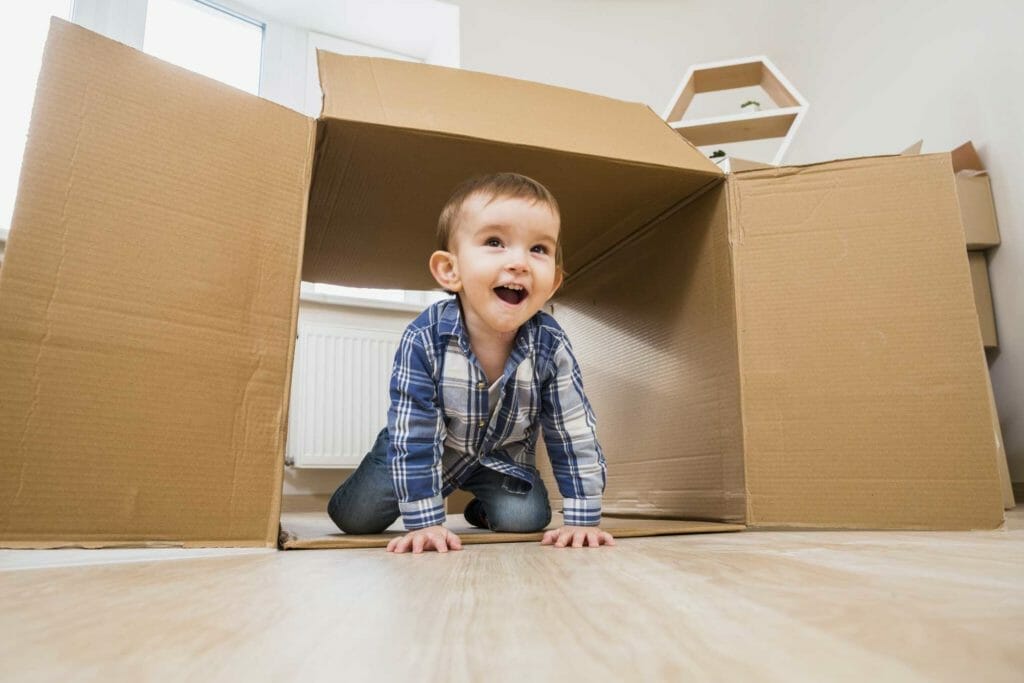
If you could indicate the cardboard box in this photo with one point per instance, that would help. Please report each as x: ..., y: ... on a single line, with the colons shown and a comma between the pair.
x: 745, y: 344
x: 974, y: 191
x: 974, y: 194
x: 983, y: 298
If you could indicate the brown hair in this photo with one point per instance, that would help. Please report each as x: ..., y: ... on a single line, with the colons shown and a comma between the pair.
x: 493, y: 186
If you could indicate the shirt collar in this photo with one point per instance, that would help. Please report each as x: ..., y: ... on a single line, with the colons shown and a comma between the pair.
x: 450, y: 325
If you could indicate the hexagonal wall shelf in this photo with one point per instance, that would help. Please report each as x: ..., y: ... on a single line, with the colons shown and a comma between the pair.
x: 781, y: 122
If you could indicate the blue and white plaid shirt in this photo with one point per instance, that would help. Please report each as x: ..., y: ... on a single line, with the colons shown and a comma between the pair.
x: 441, y: 427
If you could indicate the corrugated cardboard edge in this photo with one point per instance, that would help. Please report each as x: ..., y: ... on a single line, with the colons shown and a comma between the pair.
x: 274, y: 521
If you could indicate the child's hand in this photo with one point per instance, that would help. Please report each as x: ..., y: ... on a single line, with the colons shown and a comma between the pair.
x: 578, y: 536
x: 430, y: 538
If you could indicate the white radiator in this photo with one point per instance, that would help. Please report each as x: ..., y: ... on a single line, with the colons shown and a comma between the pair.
x: 339, y: 396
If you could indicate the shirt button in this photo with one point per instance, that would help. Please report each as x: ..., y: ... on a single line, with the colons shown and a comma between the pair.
x: 480, y: 424
x: 479, y: 385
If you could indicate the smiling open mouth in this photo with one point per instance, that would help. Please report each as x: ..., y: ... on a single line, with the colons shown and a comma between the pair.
x: 510, y: 295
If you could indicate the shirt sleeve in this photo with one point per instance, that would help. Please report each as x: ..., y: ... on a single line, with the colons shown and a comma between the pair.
x: 570, y: 435
x: 416, y: 429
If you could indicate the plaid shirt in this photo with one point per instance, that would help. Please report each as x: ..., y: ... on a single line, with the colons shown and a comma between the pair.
x: 441, y: 427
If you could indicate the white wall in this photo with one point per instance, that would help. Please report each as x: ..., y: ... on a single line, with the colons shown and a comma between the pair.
x: 878, y: 75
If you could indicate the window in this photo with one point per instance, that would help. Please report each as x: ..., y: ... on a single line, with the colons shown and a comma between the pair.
x: 207, y: 39
x: 23, y: 27
x: 318, y: 291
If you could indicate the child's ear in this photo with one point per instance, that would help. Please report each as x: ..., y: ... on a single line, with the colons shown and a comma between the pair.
x: 559, y: 276
x: 444, y: 266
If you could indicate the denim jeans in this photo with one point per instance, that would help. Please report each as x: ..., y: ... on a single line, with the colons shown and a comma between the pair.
x: 366, y: 502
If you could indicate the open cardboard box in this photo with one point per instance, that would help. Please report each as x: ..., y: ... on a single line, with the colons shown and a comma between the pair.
x: 746, y: 345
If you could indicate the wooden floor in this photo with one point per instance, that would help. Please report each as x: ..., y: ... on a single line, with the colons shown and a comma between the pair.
x: 751, y: 606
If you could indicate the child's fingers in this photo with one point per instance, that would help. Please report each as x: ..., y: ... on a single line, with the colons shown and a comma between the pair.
x: 417, y: 543
x: 577, y: 537
x: 439, y: 542
x: 454, y: 542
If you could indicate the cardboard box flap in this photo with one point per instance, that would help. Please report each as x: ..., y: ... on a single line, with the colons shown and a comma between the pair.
x: 862, y: 372
x: 477, y: 105
x: 147, y: 305
x: 965, y: 158
x: 395, y: 139
x: 914, y: 149
x: 738, y: 165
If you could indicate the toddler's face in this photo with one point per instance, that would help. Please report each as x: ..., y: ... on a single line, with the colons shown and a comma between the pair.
x: 504, y: 254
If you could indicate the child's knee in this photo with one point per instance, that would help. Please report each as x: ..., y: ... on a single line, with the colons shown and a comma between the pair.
x: 355, y: 519
x: 519, y: 517
x: 358, y: 526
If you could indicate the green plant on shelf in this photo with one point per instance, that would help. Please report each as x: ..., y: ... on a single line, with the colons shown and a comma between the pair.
x: 753, y: 105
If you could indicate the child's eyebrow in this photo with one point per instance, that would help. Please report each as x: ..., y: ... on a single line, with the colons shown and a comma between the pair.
x: 491, y: 226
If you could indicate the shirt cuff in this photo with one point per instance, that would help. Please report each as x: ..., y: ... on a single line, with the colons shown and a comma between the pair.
x: 582, y: 511
x: 418, y: 514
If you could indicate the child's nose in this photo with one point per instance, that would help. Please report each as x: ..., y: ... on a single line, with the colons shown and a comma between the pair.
x: 517, y: 260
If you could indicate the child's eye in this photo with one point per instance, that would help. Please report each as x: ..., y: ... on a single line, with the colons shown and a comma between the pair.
x: 539, y: 249
x: 492, y: 242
